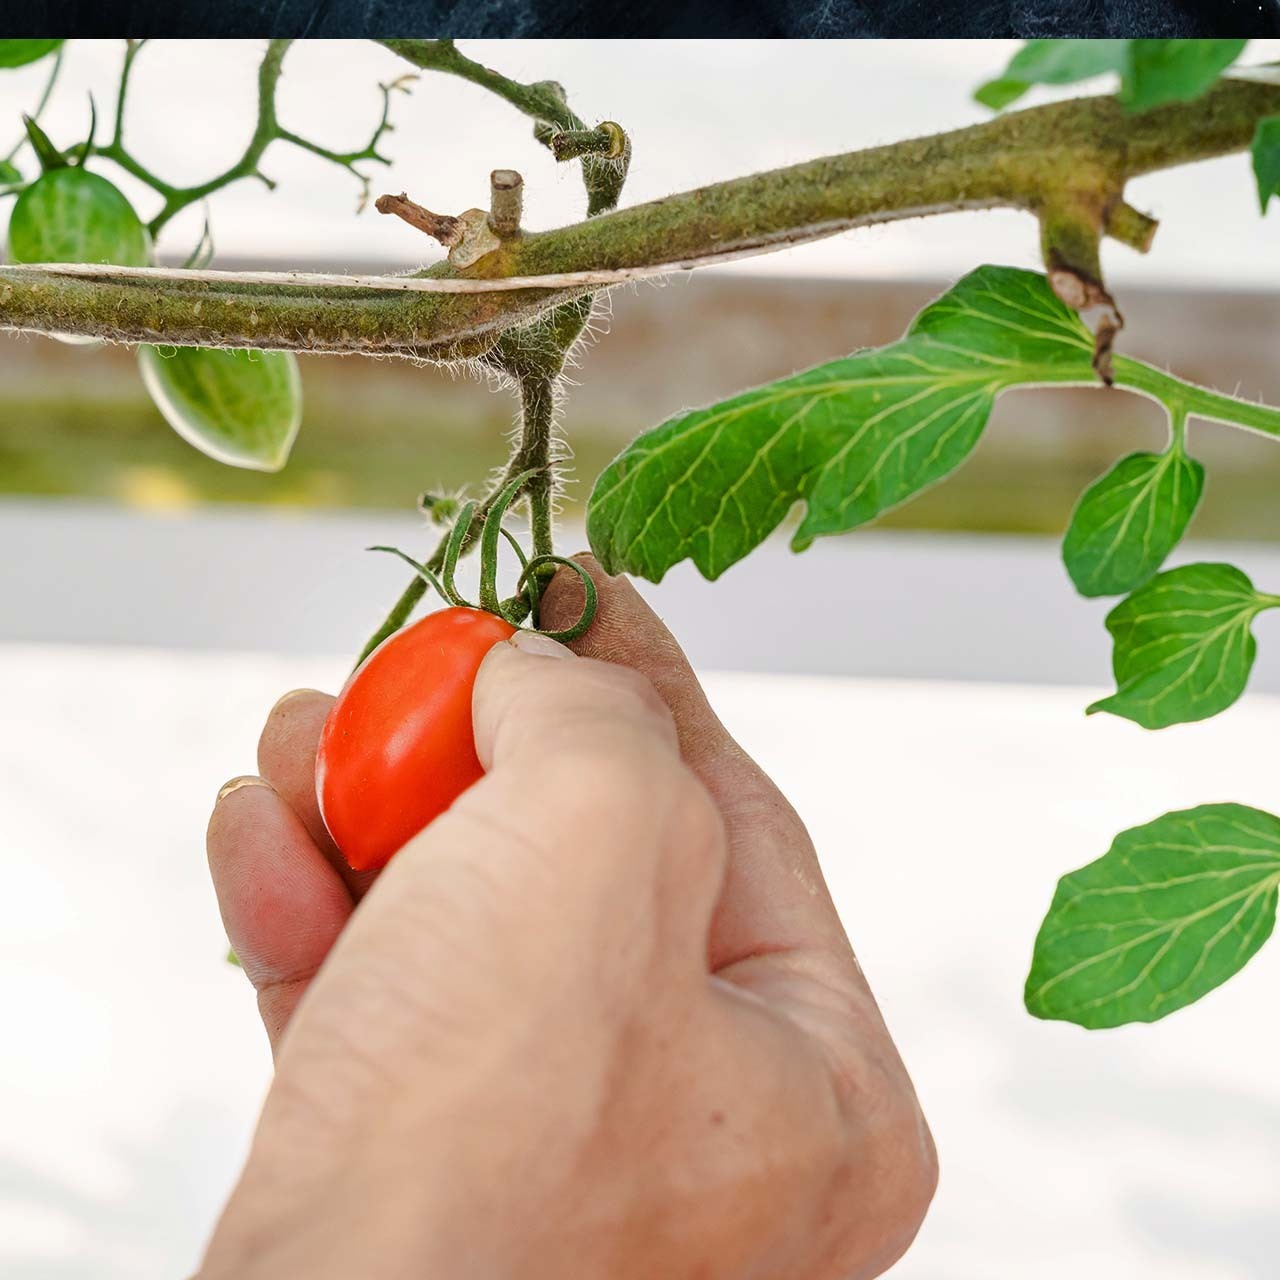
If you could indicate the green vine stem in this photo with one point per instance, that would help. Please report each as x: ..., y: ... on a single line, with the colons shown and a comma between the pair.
x: 1184, y: 398
x: 537, y: 402
x: 267, y: 130
x: 1018, y: 160
x: 545, y: 102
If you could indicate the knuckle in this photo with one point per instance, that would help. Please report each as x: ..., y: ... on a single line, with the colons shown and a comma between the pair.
x: 699, y: 827
x: 634, y: 693
x: 283, y: 715
x: 888, y: 1164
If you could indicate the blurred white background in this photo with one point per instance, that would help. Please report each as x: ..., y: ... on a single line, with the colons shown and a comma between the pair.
x: 140, y: 653
x: 698, y: 112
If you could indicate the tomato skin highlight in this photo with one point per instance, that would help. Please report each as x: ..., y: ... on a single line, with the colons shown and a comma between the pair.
x: 397, y: 748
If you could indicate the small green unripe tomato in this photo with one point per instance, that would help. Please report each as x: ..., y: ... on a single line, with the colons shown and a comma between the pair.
x: 71, y: 215
x: 242, y: 408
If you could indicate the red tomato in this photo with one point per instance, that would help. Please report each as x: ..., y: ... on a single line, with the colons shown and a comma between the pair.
x: 397, y: 747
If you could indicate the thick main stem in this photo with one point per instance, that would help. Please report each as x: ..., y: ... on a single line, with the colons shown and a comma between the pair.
x: 1020, y: 160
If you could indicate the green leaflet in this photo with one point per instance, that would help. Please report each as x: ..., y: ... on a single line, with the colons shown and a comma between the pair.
x: 1172, y: 910
x: 851, y: 439
x: 18, y: 53
x: 1128, y: 521
x: 1052, y: 62
x: 1163, y: 71
x: 1266, y: 159
x: 241, y: 408
x: 1151, y: 72
x: 1183, y: 645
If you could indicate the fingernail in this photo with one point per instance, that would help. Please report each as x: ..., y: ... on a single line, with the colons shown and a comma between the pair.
x: 540, y: 646
x: 247, y: 780
x: 289, y: 697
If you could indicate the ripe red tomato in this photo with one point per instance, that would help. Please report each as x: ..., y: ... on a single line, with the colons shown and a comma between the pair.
x: 397, y: 748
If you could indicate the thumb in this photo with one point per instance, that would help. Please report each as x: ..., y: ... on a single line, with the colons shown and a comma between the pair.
x: 774, y: 897
x: 587, y: 838
x: 583, y: 764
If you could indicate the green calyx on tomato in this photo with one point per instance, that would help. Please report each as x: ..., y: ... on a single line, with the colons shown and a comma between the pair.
x: 72, y: 215
x: 242, y: 408
x: 49, y: 156
x: 397, y: 747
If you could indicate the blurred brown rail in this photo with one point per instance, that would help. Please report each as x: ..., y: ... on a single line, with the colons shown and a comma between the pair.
x: 77, y: 422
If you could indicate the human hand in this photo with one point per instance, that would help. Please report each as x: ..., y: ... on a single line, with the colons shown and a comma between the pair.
x: 599, y: 1019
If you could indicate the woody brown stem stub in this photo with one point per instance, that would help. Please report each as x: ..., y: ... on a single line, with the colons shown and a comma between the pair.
x: 439, y: 226
x: 506, y: 201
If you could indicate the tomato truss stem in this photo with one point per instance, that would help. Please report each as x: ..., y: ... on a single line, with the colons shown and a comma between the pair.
x: 527, y: 598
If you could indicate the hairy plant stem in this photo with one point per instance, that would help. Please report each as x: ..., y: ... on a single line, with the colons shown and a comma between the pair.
x: 1023, y: 160
x: 537, y: 414
x: 532, y: 451
x: 532, y: 356
x: 544, y: 102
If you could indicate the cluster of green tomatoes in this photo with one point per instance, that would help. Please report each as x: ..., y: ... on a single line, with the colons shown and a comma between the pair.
x: 242, y: 408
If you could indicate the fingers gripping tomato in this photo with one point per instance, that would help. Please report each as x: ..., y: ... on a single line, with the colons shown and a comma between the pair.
x: 397, y: 748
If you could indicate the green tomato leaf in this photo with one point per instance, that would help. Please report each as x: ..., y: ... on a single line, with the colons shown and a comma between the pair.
x: 1266, y: 159
x: 10, y: 174
x: 1183, y: 647
x: 1171, y: 911
x: 1128, y: 521
x: 1053, y: 62
x: 18, y: 53
x: 850, y: 439
x: 1163, y: 71
x: 1151, y: 72
x: 242, y: 408
x: 1000, y: 93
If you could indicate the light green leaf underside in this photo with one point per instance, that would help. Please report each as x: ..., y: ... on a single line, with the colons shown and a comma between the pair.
x: 1128, y: 521
x: 1183, y: 647
x: 850, y: 439
x: 1163, y: 71
x: 241, y: 408
x: 1171, y: 911
x: 1151, y: 72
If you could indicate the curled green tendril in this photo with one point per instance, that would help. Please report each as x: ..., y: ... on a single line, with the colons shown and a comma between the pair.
x: 453, y: 549
x: 515, y: 609
x: 420, y: 569
x: 591, y: 598
x: 527, y: 600
x: 489, y: 541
